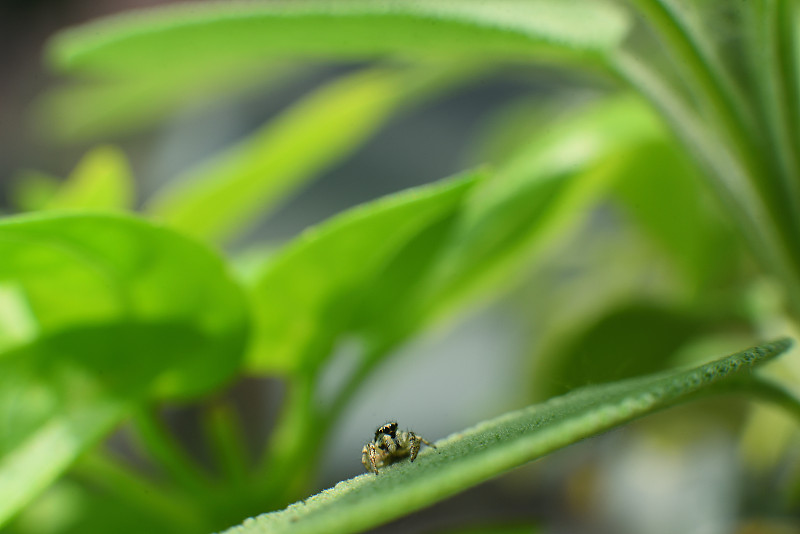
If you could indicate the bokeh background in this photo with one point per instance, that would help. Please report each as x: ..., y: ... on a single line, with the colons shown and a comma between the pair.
x: 683, y: 471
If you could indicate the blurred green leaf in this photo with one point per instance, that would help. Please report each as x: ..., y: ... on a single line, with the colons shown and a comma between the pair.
x: 101, y: 181
x: 664, y: 194
x: 77, y: 270
x: 220, y: 196
x: 609, y: 349
x: 502, y: 222
x: 68, y: 507
x: 114, y: 317
x: 31, y: 189
x: 307, y: 294
x: 535, y: 196
x: 155, y: 41
x: 94, y: 108
x: 62, y: 393
x: 493, y: 447
x: 473, y: 241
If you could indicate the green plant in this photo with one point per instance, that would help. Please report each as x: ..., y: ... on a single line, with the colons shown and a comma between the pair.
x: 105, y: 316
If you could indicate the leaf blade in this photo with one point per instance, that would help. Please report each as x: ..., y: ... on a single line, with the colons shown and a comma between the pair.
x: 495, y: 446
x: 152, y: 40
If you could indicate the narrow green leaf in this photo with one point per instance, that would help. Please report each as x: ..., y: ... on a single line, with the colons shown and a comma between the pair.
x: 220, y: 196
x: 95, y: 109
x: 762, y: 227
x: 543, y: 188
x: 309, y: 291
x: 47, y: 452
x: 157, y: 40
x: 493, y: 447
x: 101, y: 181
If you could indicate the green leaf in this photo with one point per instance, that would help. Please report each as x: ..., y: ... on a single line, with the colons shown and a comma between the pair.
x: 308, y: 293
x: 62, y: 393
x: 493, y: 447
x: 609, y: 349
x: 32, y: 189
x: 101, y: 181
x: 154, y: 41
x: 659, y: 182
x: 537, y: 194
x: 99, y: 108
x: 104, y: 315
x: 220, y: 196
x: 503, y: 221
x: 77, y: 270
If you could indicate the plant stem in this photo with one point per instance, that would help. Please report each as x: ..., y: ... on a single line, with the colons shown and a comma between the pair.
x: 769, y: 43
x: 224, y: 434
x: 703, y: 71
x: 100, y: 469
x: 161, y: 446
x: 287, y: 460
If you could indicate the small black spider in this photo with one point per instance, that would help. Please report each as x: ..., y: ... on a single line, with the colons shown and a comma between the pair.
x: 390, y: 445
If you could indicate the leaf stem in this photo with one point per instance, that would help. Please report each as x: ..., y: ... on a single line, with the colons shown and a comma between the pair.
x: 99, y: 468
x: 774, y: 393
x: 223, y: 430
x: 163, y: 448
x: 770, y: 44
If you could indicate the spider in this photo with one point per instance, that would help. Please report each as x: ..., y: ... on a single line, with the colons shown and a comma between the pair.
x: 390, y: 445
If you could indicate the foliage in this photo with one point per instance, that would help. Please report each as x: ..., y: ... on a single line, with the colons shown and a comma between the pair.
x: 105, y: 315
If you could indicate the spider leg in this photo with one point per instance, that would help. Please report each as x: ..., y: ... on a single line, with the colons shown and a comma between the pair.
x: 373, y: 457
x: 365, y: 458
x: 416, y: 443
x: 426, y: 442
x: 389, y: 443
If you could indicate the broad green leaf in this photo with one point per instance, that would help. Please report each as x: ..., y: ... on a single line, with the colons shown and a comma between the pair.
x: 111, y: 317
x: 154, y: 41
x: 74, y: 270
x: 220, y: 196
x: 60, y: 394
x: 101, y: 181
x: 305, y: 298
x: 493, y: 447
x: 503, y: 221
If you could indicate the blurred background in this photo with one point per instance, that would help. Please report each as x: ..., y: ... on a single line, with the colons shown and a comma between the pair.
x: 603, y: 280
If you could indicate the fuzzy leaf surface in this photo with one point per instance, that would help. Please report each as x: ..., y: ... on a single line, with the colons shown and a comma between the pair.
x: 493, y: 447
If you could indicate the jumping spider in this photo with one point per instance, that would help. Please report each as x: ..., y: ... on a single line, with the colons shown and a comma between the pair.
x: 390, y: 445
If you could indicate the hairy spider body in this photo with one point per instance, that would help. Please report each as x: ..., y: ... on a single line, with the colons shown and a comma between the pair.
x: 390, y: 445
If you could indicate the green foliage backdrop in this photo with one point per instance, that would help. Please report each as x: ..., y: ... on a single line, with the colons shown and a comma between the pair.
x: 692, y: 134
